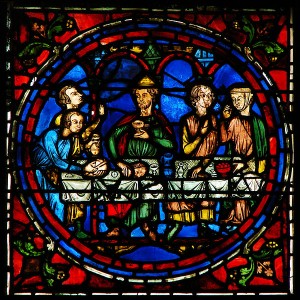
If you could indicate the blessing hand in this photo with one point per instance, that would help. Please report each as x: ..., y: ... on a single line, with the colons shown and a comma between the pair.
x: 142, y: 134
x: 227, y: 111
x: 101, y: 110
x: 193, y: 125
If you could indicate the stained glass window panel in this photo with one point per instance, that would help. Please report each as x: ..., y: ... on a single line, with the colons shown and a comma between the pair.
x: 150, y: 150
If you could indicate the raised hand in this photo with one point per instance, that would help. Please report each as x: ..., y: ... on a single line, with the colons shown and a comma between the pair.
x: 227, y: 111
x: 101, y: 110
x: 193, y: 125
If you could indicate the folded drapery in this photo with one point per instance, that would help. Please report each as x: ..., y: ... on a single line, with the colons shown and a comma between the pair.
x: 79, y: 189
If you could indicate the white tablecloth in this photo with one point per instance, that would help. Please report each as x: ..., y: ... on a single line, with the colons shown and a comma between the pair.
x: 79, y: 189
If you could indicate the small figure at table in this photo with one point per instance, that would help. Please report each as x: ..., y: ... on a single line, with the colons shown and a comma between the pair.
x: 245, y: 136
x: 145, y: 133
x: 200, y: 139
x: 140, y: 190
x: 52, y: 154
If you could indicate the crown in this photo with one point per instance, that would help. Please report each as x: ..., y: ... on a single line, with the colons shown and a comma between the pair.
x: 146, y: 81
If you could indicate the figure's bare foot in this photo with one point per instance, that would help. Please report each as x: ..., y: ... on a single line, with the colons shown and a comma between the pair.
x: 231, y: 221
x: 151, y: 234
x: 235, y: 222
x: 114, y: 232
x: 225, y: 221
x: 123, y: 248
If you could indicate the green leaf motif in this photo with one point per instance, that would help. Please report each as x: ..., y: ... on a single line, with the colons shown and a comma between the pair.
x: 267, y: 253
x: 263, y: 254
x: 27, y: 248
x: 60, y: 25
x: 48, y: 270
x: 33, y: 49
x: 277, y: 252
x: 269, y: 47
x: 50, y: 282
x: 56, y: 30
x: 246, y: 273
x: 55, y: 26
x: 249, y: 28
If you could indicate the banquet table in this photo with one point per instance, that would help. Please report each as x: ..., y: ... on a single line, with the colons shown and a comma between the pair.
x: 115, y: 188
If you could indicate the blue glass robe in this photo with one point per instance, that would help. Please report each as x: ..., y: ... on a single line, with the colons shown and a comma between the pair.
x: 52, y: 150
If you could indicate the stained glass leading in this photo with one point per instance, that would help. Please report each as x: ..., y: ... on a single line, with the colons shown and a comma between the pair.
x: 150, y: 150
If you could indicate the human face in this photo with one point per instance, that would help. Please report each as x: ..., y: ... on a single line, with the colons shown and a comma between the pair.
x: 76, y: 123
x: 238, y: 100
x: 75, y: 97
x: 143, y: 97
x: 205, y: 97
x: 139, y: 170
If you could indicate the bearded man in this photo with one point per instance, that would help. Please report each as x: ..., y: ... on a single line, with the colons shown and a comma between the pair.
x: 145, y: 133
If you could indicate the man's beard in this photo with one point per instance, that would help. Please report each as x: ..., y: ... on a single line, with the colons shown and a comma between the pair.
x: 144, y: 106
